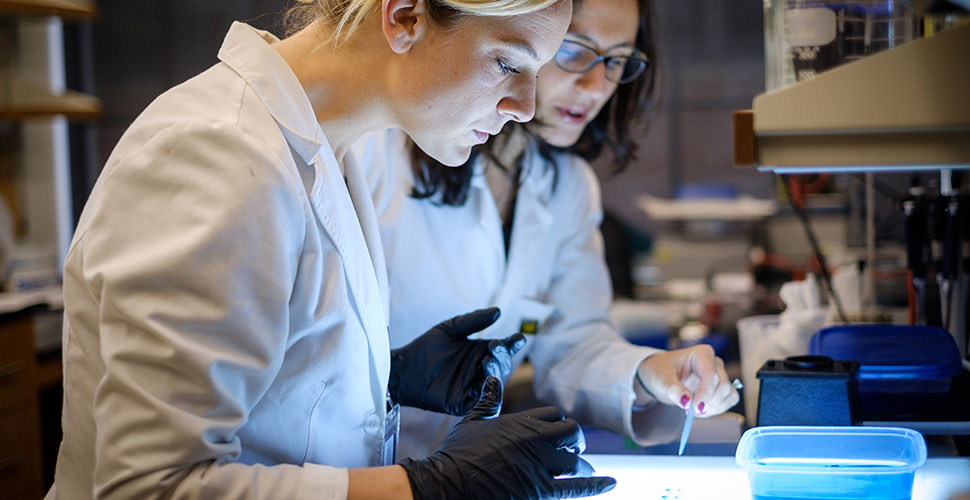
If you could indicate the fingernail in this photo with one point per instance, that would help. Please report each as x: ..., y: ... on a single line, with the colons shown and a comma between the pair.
x: 700, y: 407
x: 684, y: 400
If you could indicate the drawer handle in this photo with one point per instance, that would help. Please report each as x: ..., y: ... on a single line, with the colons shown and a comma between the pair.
x: 11, y: 369
x: 12, y: 461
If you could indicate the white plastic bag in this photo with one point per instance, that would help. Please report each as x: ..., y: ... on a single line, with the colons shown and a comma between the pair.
x: 778, y: 336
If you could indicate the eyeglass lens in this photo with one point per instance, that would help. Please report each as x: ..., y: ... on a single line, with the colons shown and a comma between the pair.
x: 578, y: 58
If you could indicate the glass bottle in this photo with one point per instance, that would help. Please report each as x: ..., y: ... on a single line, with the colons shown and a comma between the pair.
x: 806, y: 37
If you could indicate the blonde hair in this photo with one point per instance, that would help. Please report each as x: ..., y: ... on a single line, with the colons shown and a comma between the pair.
x: 346, y: 15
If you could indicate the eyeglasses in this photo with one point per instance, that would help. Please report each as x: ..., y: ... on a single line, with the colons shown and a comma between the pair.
x: 576, y: 57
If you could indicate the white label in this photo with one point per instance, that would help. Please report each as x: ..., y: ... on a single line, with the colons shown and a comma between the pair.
x: 809, y: 27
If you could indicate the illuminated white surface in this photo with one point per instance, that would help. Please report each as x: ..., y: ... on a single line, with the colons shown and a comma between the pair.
x: 644, y: 477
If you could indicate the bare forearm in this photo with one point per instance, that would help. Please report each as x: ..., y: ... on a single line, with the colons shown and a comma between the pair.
x: 379, y: 483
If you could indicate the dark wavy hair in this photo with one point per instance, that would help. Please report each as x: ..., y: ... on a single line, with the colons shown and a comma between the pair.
x: 611, y: 128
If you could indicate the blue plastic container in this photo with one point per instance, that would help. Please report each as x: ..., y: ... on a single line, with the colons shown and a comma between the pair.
x: 899, y: 366
x: 832, y: 463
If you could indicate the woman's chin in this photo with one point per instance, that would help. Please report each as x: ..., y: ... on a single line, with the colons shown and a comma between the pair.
x: 560, y: 138
x: 453, y: 158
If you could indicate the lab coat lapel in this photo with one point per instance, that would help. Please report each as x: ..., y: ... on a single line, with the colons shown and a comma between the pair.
x: 360, y: 196
x: 489, y: 220
x: 352, y: 229
x: 533, y: 221
x: 363, y: 263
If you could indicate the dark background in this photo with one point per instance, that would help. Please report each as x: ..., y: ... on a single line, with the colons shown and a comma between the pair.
x: 711, y: 55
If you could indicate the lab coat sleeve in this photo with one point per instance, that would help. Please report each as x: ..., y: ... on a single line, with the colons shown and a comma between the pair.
x: 192, y: 248
x: 581, y: 362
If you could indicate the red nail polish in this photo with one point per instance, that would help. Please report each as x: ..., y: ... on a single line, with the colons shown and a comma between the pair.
x: 684, y: 400
x: 700, y: 407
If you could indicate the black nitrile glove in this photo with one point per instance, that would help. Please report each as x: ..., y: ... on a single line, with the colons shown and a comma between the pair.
x: 514, y: 456
x: 443, y: 371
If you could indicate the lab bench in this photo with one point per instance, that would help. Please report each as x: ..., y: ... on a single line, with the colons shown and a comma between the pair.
x: 25, y: 377
x: 644, y: 477
x: 20, y: 448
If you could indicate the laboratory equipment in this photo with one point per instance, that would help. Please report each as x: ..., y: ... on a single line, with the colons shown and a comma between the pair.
x: 832, y: 463
x: 917, y: 241
x: 901, y: 367
x: 806, y: 37
x: 906, y: 108
x: 807, y: 390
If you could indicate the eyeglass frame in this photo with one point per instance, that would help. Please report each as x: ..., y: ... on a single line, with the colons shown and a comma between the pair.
x: 601, y: 57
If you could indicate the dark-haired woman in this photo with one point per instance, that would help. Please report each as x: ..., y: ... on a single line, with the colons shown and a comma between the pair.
x: 517, y: 227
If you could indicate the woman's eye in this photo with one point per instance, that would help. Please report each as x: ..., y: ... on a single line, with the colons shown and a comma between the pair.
x: 616, y: 62
x: 505, y: 68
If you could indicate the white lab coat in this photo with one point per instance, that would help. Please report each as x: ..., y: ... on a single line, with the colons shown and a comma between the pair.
x: 444, y: 260
x: 225, y: 330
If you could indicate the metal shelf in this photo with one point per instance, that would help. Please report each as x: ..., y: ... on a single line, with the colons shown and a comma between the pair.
x: 903, y: 109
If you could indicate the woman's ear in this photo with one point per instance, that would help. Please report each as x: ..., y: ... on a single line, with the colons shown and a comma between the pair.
x: 403, y: 22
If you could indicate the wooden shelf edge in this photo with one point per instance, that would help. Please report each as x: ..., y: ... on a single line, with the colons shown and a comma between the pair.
x: 81, y: 10
x: 72, y: 105
x: 744, y: 145
x: 25, y: 114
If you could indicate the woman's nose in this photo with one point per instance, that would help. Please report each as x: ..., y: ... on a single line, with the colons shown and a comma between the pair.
x: 593, y: 81
x: 520, y: 106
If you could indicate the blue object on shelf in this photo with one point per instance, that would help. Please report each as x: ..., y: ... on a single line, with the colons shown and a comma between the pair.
x: 832, y: 463
x: 705, y: 191
x: 899, y: 366
x: 718, y: 341
x: 649, y: 337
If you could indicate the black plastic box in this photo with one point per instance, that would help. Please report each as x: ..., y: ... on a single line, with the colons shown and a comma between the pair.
x: 808, y: 390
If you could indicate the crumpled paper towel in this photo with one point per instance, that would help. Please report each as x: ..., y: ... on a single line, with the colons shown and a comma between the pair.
x: 778, y: 336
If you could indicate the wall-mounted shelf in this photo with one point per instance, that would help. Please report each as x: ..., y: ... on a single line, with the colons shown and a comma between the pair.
x: 83, y: 10
x: 31, y: 102
x: 903, y: 109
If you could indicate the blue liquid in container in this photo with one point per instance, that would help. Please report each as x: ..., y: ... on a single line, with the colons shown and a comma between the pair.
x: 762, y: 497
x: 831, y: 463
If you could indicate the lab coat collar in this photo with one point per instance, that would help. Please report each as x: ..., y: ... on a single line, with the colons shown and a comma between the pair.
x: 248, y: 52
x: 538, y: 180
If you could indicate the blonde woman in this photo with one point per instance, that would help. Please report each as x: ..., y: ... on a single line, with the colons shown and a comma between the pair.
x: 225, y: 303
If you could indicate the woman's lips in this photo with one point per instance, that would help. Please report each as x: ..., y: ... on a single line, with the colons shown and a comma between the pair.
x: 574, y: 115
